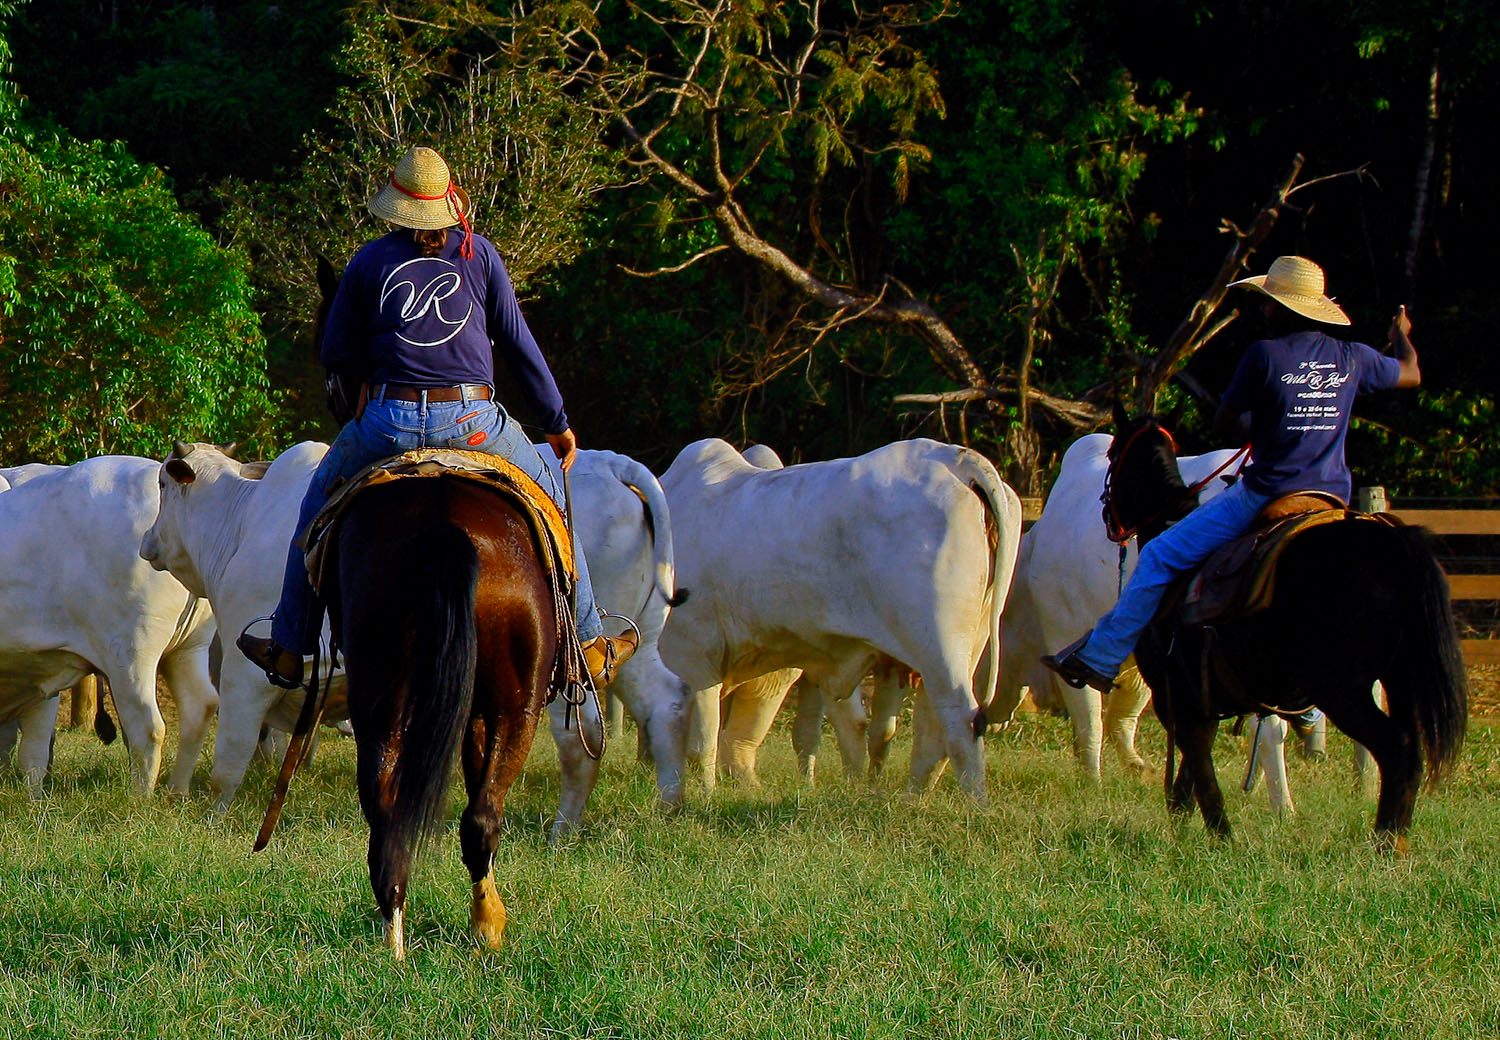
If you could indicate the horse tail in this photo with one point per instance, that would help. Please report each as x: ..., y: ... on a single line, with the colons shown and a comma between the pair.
x: 1005, y: 508
x: 439, y: 688
x: 1434, y: 684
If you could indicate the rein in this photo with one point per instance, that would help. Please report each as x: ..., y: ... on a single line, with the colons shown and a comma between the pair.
x: 1115, y: 527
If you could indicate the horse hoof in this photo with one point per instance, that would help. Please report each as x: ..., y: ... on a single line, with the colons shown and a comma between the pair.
x: 487, y: 916
x: 1392, y: 844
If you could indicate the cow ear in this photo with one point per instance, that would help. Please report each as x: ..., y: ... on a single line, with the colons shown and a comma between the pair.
x: 180, y: 471
x: 181, y: 449
x: 230, y: 448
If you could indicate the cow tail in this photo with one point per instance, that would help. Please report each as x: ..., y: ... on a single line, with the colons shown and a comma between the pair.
x: 1005, y: 508
x: 640, y: 480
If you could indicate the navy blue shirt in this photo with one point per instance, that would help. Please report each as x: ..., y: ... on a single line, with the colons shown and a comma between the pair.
x: 400, y: 317
x: 1299, y: 391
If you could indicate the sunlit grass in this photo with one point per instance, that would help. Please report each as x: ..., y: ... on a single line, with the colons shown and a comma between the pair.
x: 1063, y: 909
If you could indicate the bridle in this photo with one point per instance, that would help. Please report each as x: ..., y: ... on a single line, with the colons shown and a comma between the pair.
x: 1117, y: 530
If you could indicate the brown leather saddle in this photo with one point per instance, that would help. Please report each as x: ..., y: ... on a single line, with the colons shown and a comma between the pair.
x: 504, y: 478
x: 1239, y: 578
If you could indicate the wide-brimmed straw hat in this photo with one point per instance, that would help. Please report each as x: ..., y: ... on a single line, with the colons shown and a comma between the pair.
x: 421, y: 194
x: 1298, y: 284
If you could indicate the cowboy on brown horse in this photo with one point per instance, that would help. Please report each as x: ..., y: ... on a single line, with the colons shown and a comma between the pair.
x: 418, y: 319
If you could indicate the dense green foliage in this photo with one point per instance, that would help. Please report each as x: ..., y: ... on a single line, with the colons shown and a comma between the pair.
x: 124, y: 324
x: 1046, y: 177
x: 1065, y: 909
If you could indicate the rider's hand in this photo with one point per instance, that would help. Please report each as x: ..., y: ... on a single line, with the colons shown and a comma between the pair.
x: 1400, y: 326
x: 565, y: 447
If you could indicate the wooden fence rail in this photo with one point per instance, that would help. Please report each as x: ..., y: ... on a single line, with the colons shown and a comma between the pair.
x: 1469, y: 587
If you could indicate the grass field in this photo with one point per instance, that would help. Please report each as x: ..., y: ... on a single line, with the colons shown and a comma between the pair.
x: 1064, y: 909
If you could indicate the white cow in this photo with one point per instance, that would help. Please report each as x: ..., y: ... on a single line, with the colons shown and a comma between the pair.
x: 625, y: 529
x: 75, y: 598
x: 227, y: 536
x: 1069, y: 574
x: 749, y: 708
x: 828, y: 565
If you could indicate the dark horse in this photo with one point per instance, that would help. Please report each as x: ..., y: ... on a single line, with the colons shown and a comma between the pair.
x: 449, y: 632
x: 1355, y: 601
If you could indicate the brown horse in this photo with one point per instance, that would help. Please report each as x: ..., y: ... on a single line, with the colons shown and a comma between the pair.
x: 447, y: 622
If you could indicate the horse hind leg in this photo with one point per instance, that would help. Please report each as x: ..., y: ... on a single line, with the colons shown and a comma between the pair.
x: 479, y: 832
x: 390, y: 865
x: 1195, y: 740
x: 1393, y: 747
x: 495, y: 748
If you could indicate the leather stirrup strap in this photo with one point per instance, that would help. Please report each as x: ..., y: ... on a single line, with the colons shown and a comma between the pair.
x: 297, y: 750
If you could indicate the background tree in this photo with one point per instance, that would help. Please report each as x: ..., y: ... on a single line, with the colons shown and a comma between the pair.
x: 859, y: 188
x: 122, y: 323
x: 529, y: 159
x: 795, y: 139
x: 125, y: 325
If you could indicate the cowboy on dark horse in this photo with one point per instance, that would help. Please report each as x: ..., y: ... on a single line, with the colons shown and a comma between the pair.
x: 1291, y: 397
x: 418, y: 318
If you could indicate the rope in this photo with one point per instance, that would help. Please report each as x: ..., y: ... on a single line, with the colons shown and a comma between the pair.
x: 574, y: 682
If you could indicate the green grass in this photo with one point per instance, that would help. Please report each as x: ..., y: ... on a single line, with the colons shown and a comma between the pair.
x: 1064, y: 909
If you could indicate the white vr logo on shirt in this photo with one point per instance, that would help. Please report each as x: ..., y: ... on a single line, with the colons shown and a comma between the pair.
x: 428, y: 299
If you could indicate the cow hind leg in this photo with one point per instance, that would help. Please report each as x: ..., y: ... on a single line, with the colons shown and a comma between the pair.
x: 1270, y: 752
x: 953, y: 705
x: 1122, y: 715
x: 929, y: 753
x: 186, y: 675
x: 38, y: 731
x: 885, y: 713
x: 751, y: 707
x: 580, y: 771
x: 837, y: 692
x: 703, y: 733
x: 133, y: 687
x: 850, y: 722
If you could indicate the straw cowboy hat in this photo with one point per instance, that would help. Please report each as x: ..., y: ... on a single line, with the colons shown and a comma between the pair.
x: 421, y: 194
x: 1297, y: 284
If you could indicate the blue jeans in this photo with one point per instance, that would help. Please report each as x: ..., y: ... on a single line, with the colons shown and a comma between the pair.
x: 389, y: 428
x: 1181, y: 547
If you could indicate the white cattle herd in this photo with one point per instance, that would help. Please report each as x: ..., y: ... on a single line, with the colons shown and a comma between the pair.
x: 743, y: 576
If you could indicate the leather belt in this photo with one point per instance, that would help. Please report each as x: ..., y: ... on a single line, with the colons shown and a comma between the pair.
x: 435, y: 394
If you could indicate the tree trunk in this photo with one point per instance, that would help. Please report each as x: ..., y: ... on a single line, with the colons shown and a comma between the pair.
x: 1423, y: 188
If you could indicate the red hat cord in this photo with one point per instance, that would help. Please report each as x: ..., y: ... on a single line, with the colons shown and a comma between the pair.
x: 466, y: 249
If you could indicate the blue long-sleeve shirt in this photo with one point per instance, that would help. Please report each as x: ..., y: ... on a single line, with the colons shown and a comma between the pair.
x: 400, y: 317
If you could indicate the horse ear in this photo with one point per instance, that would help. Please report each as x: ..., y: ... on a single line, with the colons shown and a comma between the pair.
x: 1120, y: 416
x: 1173, y: 419
x: 179, y: 470
x: 230, y: 448
x: 328, y: 278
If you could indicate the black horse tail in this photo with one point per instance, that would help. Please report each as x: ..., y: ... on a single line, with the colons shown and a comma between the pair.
x: 1435, y: 685
x: 439, y: 690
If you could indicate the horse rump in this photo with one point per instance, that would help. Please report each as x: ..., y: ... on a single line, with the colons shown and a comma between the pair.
x: 1429, y: 683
